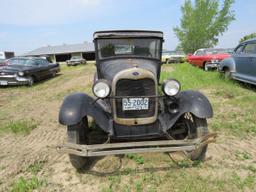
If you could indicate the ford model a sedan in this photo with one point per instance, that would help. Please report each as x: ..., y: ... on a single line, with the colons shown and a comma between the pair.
x: 134, y: 112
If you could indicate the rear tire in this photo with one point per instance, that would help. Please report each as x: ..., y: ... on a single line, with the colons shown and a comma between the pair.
x: 77, y: 135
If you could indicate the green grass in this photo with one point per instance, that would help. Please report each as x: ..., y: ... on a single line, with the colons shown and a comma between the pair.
x: 19, y: 127
x: 36, y: 167
x: 137, y: 158
x: 26, y: 185
x: 179, y: 179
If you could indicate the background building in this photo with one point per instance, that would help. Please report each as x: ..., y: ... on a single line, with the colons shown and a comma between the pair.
x: 64, y: 52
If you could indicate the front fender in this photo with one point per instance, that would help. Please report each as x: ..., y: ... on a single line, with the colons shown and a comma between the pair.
x: 195, y: 103
x: 78, y: 105
x: 188, y: 101
x: 228, y: 63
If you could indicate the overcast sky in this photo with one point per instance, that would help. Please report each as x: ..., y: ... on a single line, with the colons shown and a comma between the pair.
x: 28, y: 24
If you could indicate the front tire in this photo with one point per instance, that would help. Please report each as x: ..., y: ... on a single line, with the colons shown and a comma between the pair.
x: 77, y: 135
x: 227, y: 74
x: 31, y: 81
x: 205, y: 67
x: 193, y: 127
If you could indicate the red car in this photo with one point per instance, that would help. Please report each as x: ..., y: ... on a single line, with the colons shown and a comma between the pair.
x: 208, y: 58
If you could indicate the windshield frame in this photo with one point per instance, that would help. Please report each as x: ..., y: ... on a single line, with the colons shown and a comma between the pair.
x: 159, y: 52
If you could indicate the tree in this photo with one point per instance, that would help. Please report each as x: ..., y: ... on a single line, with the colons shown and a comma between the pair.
x: 246, y: 37
x: 202, y: 23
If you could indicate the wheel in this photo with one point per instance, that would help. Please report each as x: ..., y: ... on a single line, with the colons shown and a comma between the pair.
x: 77, y: 135
x: 227, y: 74
x: 191, y: 127
x: 54, y: 74
x: 205, y: 67
x: 31, y: 81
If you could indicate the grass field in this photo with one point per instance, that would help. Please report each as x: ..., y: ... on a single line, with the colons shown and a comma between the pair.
x: 29, y: 134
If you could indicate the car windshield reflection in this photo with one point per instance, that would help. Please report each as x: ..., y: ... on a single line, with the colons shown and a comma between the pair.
x: 21, y: 62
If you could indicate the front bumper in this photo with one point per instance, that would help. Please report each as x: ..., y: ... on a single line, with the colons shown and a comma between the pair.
x: 6, y: 80
x: 137, y: 147
x: 212, y: 65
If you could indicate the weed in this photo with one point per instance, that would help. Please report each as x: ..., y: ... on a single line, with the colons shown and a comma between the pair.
x: 36, y: 167
x: 21, y: 126
x: 248, y: 181
x: 137, y: 158
x: 243, y: 155
x: 26, y: 185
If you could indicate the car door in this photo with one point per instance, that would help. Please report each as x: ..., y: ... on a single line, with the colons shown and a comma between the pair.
x: 196, y: 58
x: 245, y: 62
x: 45, y: 67
x: 250, y: 51
x: 241, y: 61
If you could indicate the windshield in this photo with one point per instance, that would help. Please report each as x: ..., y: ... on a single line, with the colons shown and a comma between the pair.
x: 213, y: 51
x: 129, y: 47
x: 172, y: 53
x: 76, y: 57
x: 21, y: 62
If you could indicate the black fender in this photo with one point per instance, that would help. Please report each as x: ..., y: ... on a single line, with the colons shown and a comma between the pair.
x: 195, y: 103
x: 187, y: 101
x: 78, y: 105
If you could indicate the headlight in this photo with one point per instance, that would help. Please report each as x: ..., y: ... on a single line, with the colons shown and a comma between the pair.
x: 215, y: 60
x: 20, y: 73
x: 171, y: 87
x: 101, y: 89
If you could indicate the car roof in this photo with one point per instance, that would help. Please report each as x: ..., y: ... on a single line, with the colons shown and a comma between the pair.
x: 249, y: 40
x: 127, y: 33
x: 27, y: 58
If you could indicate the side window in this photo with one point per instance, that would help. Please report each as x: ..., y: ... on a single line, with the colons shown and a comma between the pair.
x: 45, y: 62
x: 250, y: 48
x: 41, y: 62
x: 199, y: 52
x: 239, y: 49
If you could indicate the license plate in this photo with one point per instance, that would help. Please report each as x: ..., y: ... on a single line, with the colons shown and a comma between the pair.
x: 3, y: 83
x: 135, y: 104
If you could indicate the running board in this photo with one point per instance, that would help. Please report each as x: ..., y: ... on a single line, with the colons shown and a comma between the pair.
x: 137, y: 147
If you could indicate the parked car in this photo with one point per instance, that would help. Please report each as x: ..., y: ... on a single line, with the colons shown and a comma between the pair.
x: 242, y: 65
x: 208, y: 58
x: 76, y: 60
x: 129, y: 107
x: 173, y: 57
x: 2, y: 62
x: 27, y: 70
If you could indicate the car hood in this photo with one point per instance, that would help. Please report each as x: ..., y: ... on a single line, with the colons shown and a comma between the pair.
x: 15, y: 68
x: 109, y: 68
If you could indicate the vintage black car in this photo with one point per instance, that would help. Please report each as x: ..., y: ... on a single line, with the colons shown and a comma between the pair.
x: 27, y: 70
x: 129, y: 106
x: 242, y: 65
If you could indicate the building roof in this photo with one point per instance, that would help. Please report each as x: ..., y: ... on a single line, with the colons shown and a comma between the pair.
x: 61, y: 49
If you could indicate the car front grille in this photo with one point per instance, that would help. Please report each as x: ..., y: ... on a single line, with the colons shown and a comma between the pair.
x: 135, y: 88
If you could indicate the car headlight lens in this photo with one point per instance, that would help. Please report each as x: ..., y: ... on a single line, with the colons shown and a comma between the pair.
x: 101, y: 89
x: 20, y: 73
x: 171, y: 87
